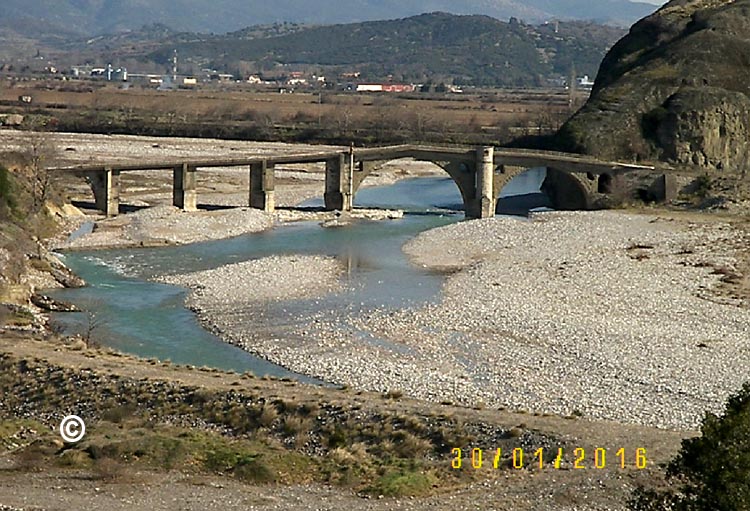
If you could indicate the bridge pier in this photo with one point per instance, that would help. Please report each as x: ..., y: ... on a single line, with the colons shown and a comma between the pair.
x: 184, y: 192
x: 106, y: 188
x: 339, y: 188
x: 262, y: 186
x: 486, y: 182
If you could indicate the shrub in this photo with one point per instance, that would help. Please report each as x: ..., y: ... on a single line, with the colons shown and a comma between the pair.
x: 406, y: 483
x: 253, y: 470
x: 711, y: 471
x: 702, y: 185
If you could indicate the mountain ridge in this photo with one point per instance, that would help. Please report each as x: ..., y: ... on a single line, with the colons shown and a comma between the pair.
x: 93, y: 17
x: 468, y: 50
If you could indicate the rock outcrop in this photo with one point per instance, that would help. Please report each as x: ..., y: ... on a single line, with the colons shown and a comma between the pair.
x: 676, y: 88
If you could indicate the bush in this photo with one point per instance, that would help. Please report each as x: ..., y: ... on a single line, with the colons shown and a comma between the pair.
x: 404, y: 483
x: 702, y: 185
x: 245, y: 466
x: 711, y: 471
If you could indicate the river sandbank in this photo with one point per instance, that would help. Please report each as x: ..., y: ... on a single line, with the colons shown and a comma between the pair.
x: 603, y: 314
x: 269, y: 278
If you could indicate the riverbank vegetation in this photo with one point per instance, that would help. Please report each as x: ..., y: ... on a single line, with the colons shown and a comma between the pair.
x: 28, y: 197
x: 243, y: 433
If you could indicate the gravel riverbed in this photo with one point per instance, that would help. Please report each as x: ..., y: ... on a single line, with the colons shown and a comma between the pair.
x: 603, y: 314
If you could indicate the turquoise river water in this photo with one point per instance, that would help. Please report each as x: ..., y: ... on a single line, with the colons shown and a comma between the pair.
x: 149, y: 319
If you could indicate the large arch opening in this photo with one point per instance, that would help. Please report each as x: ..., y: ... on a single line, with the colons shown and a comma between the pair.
x: 415, y: 185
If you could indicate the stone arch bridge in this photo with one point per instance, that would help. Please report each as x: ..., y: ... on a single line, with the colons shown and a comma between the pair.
x: 573, y: 181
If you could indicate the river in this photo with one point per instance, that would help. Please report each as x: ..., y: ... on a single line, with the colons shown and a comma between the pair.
x: 138, y: 316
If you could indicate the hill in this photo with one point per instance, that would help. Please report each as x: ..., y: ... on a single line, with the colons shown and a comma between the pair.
x: 91, y: 17
x: 674, y: 88
x: 476, y: 50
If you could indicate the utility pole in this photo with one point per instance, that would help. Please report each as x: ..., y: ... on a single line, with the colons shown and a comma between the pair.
x: 174, y: 68
x: 572, y: 87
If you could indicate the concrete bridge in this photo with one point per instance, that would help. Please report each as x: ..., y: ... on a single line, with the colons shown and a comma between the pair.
x: 573, y: 181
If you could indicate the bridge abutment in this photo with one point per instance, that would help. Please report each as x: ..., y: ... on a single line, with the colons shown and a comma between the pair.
x: 262, y: 186
x: 106, y: 188
x: 184, y: 189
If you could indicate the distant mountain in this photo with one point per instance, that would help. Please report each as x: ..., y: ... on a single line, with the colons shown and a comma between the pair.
x: 470, y: 50
x: 221, y: 16
x: 610, y: 11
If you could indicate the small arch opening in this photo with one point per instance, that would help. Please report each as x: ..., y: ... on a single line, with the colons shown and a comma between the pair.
x: 566, y: 191
x: 604, y: 185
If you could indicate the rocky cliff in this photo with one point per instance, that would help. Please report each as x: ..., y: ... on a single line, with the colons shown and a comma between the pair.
x: 676, y: 88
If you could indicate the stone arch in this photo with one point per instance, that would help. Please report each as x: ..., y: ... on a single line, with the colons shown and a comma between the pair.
x: 568, y: 190
x: 504, y: 175
x: 461, y: 172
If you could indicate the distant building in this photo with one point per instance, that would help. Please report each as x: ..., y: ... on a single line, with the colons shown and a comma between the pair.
x: 369, y: 87
x: 108, y: 73
x: 585, y: 82
x: 384, y: 87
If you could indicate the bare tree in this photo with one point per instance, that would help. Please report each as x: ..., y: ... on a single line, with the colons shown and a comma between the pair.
x: 40, y: 154
x: 93, y: 323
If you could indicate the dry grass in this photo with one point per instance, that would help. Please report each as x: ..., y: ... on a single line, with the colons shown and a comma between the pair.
x: 493, y: 115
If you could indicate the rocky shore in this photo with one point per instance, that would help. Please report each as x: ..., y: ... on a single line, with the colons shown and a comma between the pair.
x: 605, y: 315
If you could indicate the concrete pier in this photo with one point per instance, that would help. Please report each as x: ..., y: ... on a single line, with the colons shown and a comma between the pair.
x: 184, y: 193
x: 262, y: 186
x: 106, y: 188
x: 485, y: 173
x: 338, y: 193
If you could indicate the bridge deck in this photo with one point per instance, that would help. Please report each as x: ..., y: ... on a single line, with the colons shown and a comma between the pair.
x: 516, y: 157
x: 479, y: 174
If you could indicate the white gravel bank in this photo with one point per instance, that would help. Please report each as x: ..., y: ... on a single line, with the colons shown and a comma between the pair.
x: 609, y: 314
x: 229, y: 298
x: 163, y: 225
x: 605, y: 314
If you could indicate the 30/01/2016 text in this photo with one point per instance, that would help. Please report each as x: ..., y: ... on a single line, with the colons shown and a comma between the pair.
x: 581, y: 459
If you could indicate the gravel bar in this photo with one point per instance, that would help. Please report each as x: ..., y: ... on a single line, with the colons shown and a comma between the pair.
x: 602, y: 314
